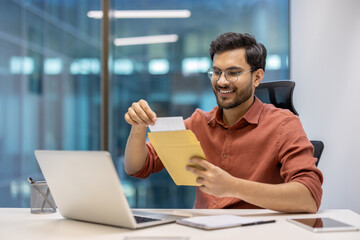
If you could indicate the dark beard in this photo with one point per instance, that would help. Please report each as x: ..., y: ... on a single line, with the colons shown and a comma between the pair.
x: 241, y: 97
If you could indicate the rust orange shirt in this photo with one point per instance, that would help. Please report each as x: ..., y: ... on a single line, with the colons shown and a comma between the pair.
x: 266, y: 145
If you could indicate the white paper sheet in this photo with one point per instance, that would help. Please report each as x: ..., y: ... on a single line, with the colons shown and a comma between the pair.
x: 168, y: 124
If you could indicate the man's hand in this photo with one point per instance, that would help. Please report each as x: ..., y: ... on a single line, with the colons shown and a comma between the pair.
x: 285, y: 197
x: 213, y: 179
x: 140, y: 114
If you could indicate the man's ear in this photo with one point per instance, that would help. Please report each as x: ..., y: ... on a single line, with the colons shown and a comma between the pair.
x: 258, y: 76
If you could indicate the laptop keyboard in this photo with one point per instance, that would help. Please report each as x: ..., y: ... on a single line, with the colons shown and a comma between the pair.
x: 140, y: 219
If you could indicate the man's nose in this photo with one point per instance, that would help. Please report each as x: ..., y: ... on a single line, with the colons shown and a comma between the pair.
x: 222, y: 80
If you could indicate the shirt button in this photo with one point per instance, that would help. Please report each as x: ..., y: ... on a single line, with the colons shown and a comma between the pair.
x: 224, y: 155
x: 214, y: 202
x: 229, y: 131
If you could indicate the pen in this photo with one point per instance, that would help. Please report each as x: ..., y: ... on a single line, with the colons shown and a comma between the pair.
x: 258, y: 223
x: 47, y: 194
x: 33, y: 183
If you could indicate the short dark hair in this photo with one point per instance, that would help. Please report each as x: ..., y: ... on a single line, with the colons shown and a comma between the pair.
x: 255, y: 52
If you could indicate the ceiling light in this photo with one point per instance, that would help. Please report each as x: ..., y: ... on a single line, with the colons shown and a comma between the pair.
x: 142, y: 14
x: 146, y: 40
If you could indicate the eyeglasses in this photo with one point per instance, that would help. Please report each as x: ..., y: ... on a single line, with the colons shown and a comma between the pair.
x: 231, y: 75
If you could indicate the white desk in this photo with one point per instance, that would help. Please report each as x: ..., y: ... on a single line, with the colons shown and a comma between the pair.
x: 19, y: 223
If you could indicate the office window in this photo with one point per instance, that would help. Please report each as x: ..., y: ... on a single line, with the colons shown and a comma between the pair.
x: 171, y: 75
x: 49, y: 86
x: 50, y: 78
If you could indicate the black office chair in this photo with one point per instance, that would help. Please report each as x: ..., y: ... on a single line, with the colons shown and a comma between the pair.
x: 280, y: 94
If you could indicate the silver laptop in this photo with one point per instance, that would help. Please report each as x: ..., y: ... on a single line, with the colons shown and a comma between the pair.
x: 86, y: 186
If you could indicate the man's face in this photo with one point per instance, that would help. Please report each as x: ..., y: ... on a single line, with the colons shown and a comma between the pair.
x: 230, y: 95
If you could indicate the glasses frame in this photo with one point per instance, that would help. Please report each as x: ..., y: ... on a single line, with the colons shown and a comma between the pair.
x: 225, y: 74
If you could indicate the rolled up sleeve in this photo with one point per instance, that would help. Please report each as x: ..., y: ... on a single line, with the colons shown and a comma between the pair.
x: 152, y: 164
x: 296, y: 157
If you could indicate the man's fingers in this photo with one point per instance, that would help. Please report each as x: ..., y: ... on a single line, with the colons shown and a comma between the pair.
x: 144, y: 112
x: 140, y: 114
x: 200, y: 180
x: 202, y: 163
x: 195, y: 170
x: 150, y: 113
x: 129, y: 120
x: 135, y: 116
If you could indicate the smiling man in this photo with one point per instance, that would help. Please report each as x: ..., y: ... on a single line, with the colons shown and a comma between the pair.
x: 257, y: 156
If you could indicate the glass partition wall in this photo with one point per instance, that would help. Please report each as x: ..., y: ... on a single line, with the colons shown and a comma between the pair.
x: 49, y: 86
x: 50, y: 77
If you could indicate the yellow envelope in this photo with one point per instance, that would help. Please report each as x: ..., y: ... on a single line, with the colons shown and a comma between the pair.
x: 174, y: 149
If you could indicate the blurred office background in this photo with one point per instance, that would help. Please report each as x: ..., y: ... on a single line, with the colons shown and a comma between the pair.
x: 50, y: 78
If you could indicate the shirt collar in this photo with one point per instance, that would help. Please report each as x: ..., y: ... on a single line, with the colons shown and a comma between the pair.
x: 252, y: 116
